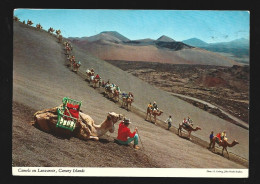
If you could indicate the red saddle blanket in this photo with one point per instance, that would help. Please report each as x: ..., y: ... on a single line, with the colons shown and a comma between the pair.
x: 73, y: 110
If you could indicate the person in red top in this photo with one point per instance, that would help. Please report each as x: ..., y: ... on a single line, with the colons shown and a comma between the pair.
x: 124, y: 134
x: 97, y: 77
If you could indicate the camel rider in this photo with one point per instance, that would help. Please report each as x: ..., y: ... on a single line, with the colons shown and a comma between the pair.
x: 150, y: 105
x: 190, y: 121
x: 107, y: 82
x: 92, y: 70
x: 185, y: 123
x: 155, y: 107
x: 124, y: 95
x: 124, y: 134
x: 169, y: 121
x: 97, y: 77
x: 223, y: 135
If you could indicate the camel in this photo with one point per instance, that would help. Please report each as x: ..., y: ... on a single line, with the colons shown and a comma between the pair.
x: 60, y: 38
x: 189, y: 129
x: 222, y: 143
x: 96, y: 83
x: 16, y: 18
x: 90, y: 74
x: 116, y: 95
x: 150, y: 112
x: 72, y: 61
x: 29, y: 22
x: 76, y: 67
x: 50, y: 30
x: 127, y: 100
x: 58, y: 32
x: 38, y: 26
x: 67, y: 48
x: 108, y: 89
x: 85, y: 129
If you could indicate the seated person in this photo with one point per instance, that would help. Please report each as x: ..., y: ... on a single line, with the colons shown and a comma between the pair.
x: 124, y: 134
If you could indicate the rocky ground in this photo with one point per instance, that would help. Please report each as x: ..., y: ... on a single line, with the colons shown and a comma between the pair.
x: 225, y: 87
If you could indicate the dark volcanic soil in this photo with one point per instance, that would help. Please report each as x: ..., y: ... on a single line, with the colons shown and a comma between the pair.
x: 41, y: 80
x: 225, y: 87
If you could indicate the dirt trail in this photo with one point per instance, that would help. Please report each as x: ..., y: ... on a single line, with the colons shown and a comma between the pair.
x: 213, y: 106
x: 41, y: 80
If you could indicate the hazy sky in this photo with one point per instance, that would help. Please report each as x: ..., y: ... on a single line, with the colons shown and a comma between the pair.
x: 209, y: 26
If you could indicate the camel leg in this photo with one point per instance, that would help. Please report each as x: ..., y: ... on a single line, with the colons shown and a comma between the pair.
x: 227, y: 152
x: 223, y: 151
x: 189, y: 135
x: 94, y: 138
x: 179, y: 131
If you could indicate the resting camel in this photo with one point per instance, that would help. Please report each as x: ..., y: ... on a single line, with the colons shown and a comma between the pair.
x: 29, y: 22
x: 38, y: 26
x: 222, y: 143
x: 85, y: 129
x: 150, y: 112
x: 189, y: 129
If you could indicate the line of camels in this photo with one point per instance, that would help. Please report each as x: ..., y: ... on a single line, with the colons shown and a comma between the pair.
x: 86, y: 128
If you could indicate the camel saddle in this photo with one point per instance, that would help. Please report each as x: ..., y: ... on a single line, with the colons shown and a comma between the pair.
x: 68, y: 114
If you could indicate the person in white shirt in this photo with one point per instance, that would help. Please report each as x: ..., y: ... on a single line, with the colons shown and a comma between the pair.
x: 169, y: 121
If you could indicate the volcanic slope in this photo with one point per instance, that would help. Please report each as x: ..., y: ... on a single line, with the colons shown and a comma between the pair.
x: 161, y: 50
x: 41, y: 80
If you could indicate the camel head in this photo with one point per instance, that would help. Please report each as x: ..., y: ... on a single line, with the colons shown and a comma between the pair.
x: 235, y: 142
x: 198, y: 128
x: 113, y: 118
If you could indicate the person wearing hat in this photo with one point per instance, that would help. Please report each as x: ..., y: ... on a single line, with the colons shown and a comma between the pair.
x: 223, y: 135
x: 125, y: 136
x: 155, y: 107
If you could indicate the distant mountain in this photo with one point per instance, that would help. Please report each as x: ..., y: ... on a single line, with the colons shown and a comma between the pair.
x: 111, y: 36
x: 165, y: 39
x: 238, y: 48
x: 110, y: 45
x: 195, y: 42
x: 238, y: 43
x: 116, y: 34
